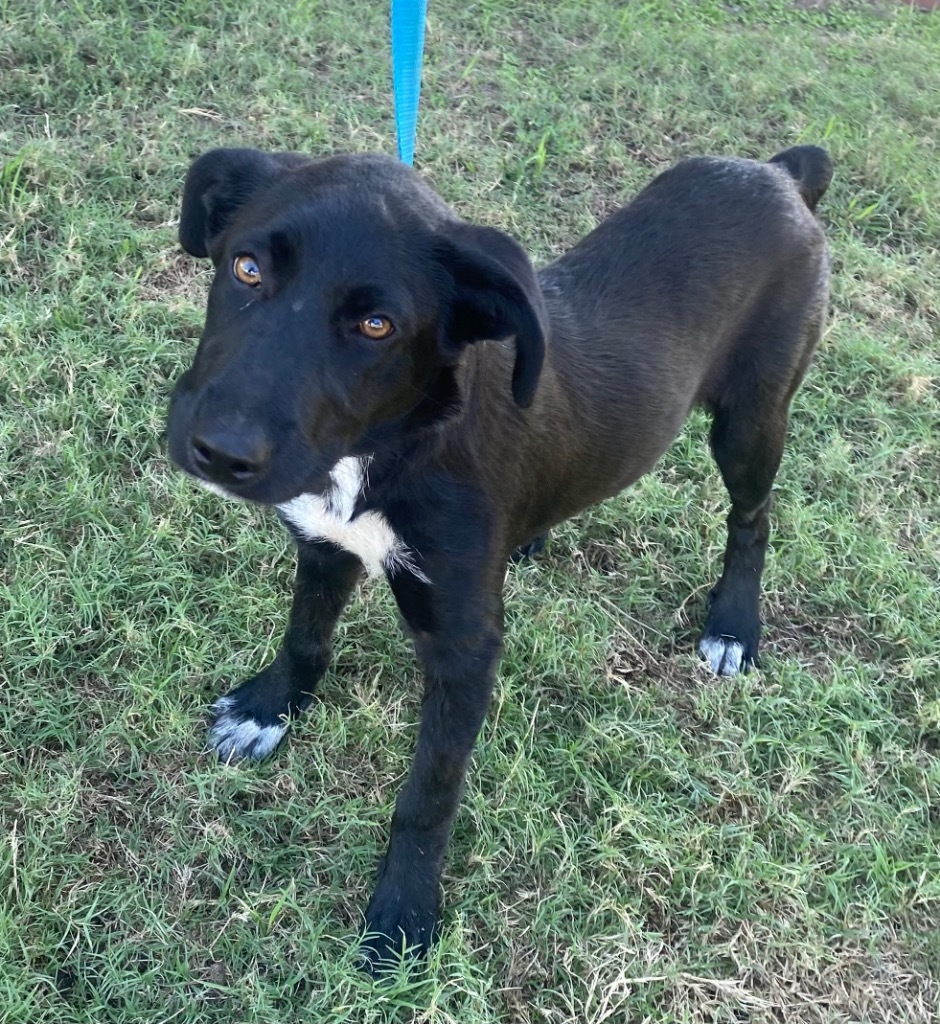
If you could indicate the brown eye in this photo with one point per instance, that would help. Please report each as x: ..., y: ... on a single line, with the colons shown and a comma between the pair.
x: 246, y: 269
x: 376, y: 327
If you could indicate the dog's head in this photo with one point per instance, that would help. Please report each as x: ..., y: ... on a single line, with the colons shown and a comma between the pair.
x: 345, y: 295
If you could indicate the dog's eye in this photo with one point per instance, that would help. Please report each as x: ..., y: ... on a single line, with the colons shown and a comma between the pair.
x: 246, y: 269
x: 376, y: 327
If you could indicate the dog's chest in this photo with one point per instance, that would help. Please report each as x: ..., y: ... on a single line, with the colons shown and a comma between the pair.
x: 330, y: 516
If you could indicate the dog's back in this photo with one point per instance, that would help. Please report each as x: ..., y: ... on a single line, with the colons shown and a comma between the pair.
x: 713, y: 281
x: 691, y: 249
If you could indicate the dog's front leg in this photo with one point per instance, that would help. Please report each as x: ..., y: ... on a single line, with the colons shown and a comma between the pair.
x: 459, y: 670
x: 253, y: 719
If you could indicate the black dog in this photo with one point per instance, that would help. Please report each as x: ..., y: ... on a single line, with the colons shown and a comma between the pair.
x: 416, y: 401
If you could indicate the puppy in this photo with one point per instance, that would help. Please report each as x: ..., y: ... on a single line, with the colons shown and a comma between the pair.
x: 416, y: 401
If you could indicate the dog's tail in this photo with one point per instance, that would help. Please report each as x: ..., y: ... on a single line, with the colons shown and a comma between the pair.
x: 811, y: 169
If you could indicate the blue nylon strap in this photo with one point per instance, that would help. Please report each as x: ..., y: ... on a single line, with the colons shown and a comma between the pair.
x: 407, y: 51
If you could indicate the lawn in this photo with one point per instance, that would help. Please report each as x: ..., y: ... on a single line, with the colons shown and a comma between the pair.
x: 639, y: 842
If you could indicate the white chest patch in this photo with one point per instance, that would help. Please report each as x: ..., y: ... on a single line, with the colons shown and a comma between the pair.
x: 329, y: 516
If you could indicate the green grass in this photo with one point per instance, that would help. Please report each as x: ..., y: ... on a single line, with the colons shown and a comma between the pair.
x: 639, y: 842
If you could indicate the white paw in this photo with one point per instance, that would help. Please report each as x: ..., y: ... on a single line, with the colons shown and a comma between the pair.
x: 724, y: 654
x: 235, y: 736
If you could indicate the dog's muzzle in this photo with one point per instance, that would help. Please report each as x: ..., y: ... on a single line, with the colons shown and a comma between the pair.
x: 229, y: 457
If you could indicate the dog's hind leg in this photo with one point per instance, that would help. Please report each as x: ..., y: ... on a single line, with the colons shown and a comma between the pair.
x: 252, y: 720
x: 747, y: 445
x: 749, y: 426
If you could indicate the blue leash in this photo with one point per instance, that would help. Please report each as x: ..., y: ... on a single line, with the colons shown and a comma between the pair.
x: 407, y: 51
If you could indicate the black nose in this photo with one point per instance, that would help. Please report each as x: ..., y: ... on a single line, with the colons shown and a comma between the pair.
x: 225, y: 456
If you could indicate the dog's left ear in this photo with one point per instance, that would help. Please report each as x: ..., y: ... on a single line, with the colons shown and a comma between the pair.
x: 495, y: 296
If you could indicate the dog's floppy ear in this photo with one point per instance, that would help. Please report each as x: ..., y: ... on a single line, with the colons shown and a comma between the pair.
x: 218, y: 184
x: 495, y: 296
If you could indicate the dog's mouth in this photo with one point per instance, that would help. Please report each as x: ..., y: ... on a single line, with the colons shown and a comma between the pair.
x: 262, y: 493
x: 285, y: 476
x: 240, y: 459
x: 275, y: 488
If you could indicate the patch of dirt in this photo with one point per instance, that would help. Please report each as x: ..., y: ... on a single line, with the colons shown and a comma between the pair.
x: 798, y: 634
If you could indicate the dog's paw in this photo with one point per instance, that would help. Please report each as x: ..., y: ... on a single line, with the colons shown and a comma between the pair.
x: 235, y: 735
x: 397, y: 929
x: 530, y: 549
x: 727, y: 655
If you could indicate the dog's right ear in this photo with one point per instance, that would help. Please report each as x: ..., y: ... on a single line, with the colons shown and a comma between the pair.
x: 218, y: 184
